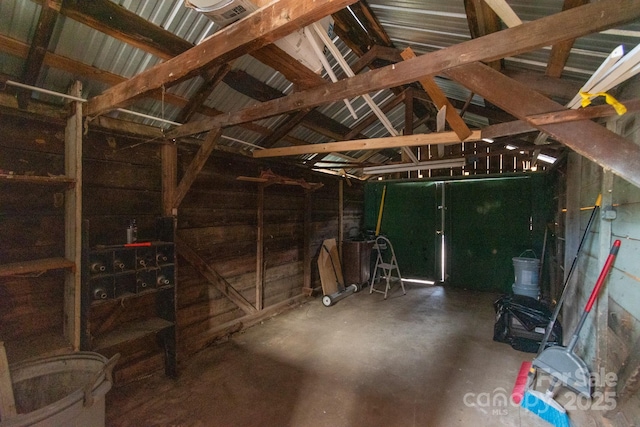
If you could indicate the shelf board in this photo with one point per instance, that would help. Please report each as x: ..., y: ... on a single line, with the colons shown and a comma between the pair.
x: 35, y: 265
x: 42, y: 345
x: 130, y: 332
x: 42, y: 180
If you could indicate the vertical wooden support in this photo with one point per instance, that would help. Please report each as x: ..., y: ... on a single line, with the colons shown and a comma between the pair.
x: 260, y: 249
x: 307, y: 289
x: 408, y: 124
x: 572, y: 234
x: 73, y: 220
x: 602, y: 307
x: 340, y: 217
x: 169, y: 153
x: 606, y: 239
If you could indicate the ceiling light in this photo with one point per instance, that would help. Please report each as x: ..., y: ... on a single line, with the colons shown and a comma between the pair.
x: 406, y: 167
x: 511, y: 147
x: 489, y: 140
x: 546, y: 159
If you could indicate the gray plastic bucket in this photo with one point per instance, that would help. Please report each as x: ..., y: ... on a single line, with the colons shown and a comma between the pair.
x: 527, y: 271
x: 66, y: 390
x: 529, y: 291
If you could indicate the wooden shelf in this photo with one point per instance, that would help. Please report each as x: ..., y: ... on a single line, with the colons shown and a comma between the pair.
x: 37, y: 346
x: 33, y: 266
x: 41, y: 180
x: 130, y: 332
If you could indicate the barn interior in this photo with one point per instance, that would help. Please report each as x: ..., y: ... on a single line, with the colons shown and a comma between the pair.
x: 318, y: 213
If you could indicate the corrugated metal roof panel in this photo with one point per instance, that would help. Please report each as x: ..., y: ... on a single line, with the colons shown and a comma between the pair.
x: 425, y: 26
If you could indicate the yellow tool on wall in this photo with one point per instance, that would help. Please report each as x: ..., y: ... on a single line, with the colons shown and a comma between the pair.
x: 384, y: 193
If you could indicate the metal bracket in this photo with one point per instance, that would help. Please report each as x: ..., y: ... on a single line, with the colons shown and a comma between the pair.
x: 609, y: 213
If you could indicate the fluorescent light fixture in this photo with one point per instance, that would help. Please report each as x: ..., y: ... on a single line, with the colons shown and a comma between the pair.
x: 406, y: 167
x: 419, y: 281
x: 511, y: 147
x: 489, y: 140
x: 546, y: 159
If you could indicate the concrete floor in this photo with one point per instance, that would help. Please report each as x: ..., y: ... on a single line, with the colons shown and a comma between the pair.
x: 422, y: 359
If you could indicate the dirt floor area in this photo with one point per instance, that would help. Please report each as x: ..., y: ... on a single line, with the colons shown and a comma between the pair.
x: 426, y: 358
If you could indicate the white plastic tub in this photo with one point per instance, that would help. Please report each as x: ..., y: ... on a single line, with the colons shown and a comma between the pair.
x: 67, y: 390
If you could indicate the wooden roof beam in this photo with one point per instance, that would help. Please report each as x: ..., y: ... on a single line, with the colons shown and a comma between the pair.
x: 482, y: 20
x: 212, y: 79
x: 368, y: 144
x: 262, y: 27
x: 440, y: 100
x: 114, y: 20
x: 560, y: 51
x: 565, y: 25
x: 589, y: 139
x: 520, y: 126
x: 39, y: 47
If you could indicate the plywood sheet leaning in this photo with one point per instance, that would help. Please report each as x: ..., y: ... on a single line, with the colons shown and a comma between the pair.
x: 330, y: 268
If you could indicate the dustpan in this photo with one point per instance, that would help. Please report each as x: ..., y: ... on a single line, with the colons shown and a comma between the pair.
x: 566, y: 367
x: 562, y: 363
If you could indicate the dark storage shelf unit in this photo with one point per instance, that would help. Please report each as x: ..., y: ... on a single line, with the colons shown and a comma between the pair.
x: 116, y: 274
x: 127, y: 272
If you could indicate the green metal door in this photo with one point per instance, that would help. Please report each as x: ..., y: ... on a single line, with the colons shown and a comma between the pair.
x: 488, y: 223
x: 410, y: 219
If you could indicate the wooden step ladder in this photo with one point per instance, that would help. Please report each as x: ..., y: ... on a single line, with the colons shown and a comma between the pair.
x: 386, y: 269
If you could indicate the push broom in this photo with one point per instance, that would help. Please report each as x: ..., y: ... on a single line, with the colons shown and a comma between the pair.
x: 563, y: 365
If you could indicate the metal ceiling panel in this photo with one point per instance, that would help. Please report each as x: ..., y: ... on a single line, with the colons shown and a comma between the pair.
x: 425, y: 26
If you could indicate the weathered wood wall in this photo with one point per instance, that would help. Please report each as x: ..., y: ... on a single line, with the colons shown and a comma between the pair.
x: 610, y: 340
x: 31, y: 227
x: 122, y: 181
x: 218, y: 219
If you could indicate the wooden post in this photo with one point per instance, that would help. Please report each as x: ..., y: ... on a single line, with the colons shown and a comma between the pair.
x: 340, y: 217
x: 73, y: 220
x: 260, y: 249
x: 572, y: 235
x: 306, y: 287
x: 605, y: 234
x: 169, y: 153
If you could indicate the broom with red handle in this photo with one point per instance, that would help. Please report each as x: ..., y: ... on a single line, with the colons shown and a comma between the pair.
x: 543, y: 405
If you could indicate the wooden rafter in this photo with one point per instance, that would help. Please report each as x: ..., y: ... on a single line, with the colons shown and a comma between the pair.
x: 440, y: 100
x: 196, y: 166
x: 251, y: 87
x: 212, y: 79
x: 560, y: 51
x: 585, y: 137
x: 262, y: 27
x: 290, y: 68
x: 39, y: 46
x: 504, y: 11
x: 292, y: 122
x: 528, y: 36
x: 368, y: 144
x: 563, y: 116
x: 116, y: 21
x: 482, y: 20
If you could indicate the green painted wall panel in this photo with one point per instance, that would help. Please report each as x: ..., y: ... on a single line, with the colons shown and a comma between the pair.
x: 409, y: 220
x: 488, y: 222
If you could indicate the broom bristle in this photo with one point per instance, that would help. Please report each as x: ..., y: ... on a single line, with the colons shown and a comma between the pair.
x: 546, y: 408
